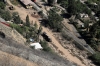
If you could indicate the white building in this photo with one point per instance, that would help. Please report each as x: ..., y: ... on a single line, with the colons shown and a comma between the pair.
x: 36, y: 46
x: 83, y: 15
x: 27, y: 3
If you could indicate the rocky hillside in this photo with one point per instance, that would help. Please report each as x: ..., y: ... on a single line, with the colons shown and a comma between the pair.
x: 14, y: 45
x: 12, y: 33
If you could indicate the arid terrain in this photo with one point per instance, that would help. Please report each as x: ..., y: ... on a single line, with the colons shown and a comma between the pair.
x: 24, y: 12
x: 13, y: 49
x: 14, y: 46
x: 11, y: 60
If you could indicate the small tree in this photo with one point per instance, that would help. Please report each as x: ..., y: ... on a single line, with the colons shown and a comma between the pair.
x: 86, y: 24
x: 14, y: 14
x: 27, y: 21
x: 50, y: 2
x: 45, y: 46
x: 39, y: 31
x: 2, y: 5
x: 17, y: 19
x: 6, y: 15
x: 72, y: 7
x: 96, y: 57
x: 54, y: 20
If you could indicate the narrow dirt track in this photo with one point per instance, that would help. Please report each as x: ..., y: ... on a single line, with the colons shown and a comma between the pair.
x: 23, y: 13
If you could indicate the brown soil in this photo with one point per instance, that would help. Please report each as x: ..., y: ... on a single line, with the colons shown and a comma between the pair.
x: 11, y: 60
x: 9, y: 32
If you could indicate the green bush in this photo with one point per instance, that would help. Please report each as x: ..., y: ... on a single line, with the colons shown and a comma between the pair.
x: 54, y: 21
x: 63, y: 3
x: 5, y: 14
x: 45, y: 46
x: 17, y: 27
x: 27, y: 21
x: 2, y: 5
x: 96, y: 57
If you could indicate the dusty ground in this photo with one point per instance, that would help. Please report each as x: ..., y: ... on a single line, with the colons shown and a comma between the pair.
x: 9, y: 32
x: 24, y: 12
x: 68, y: 45
x: 11, y: 60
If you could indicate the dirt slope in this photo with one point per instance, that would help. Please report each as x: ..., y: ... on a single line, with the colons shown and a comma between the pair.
x: 12, y: 33
x: 11, y: 60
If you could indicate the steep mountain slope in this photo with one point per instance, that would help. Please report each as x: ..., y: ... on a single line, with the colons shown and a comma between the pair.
x: 17, y: 48
x: 24, y: 12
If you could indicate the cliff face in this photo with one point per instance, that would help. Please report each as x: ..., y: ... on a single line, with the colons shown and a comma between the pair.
x: 17, y: 48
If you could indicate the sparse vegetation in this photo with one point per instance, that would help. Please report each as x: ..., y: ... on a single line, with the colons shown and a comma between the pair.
x: 20, y: 29
x: 54, y: 21
x: 11, y: 60
x: 2, y: 5
x: 90, y: 33
x: 27, y: 21
x: 5, y: 14
x: 22, y: 51
x: 15, y: 2
x: 96, y: 58
x: 65, y: 36
x: 17, y: 19
x: 63, y: 3
x: 45, y: 46
x: 51, y: 2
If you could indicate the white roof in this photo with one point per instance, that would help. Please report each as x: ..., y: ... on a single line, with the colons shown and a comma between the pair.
x: 26, y: 2
x: 36, y: 45
x: 83, y: 15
